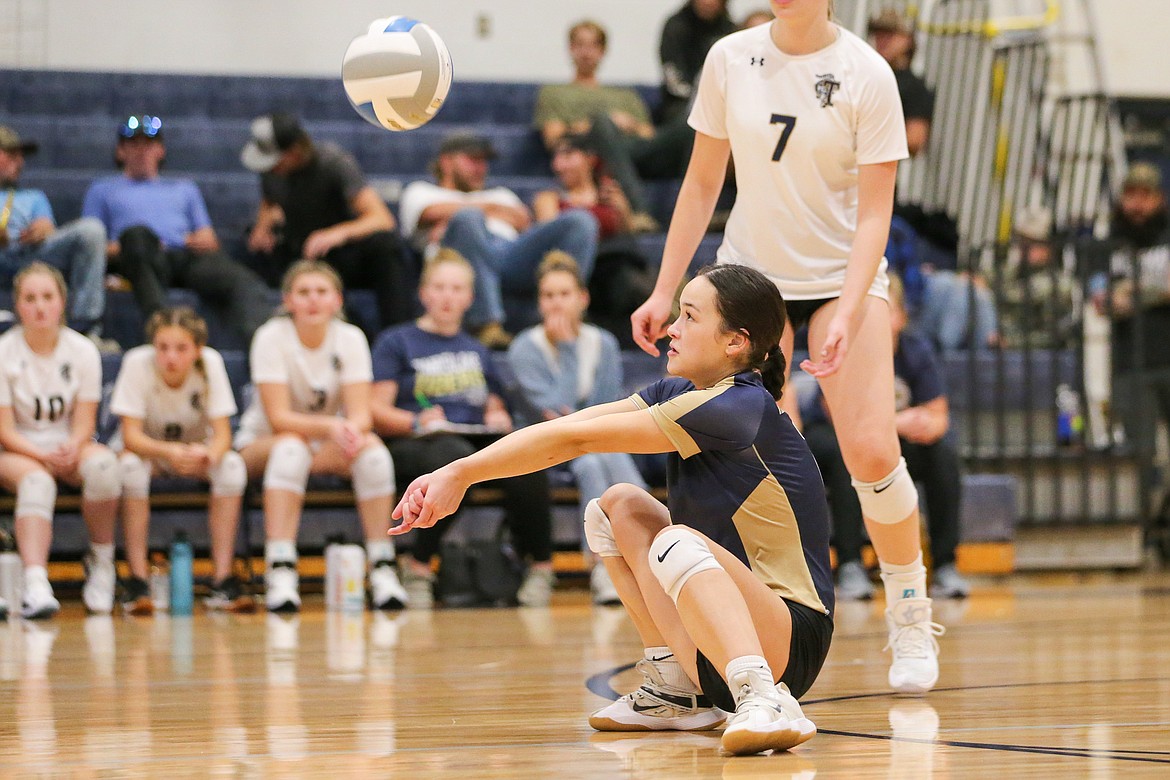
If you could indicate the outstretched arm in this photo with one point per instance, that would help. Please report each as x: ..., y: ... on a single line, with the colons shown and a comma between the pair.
x: 613, y: 427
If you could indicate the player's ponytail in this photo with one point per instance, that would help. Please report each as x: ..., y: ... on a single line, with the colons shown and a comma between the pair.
x: 749, y: 302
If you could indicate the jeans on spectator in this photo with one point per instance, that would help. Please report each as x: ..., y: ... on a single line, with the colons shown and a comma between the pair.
x: 503, y: 264
x: 527, y: 500
x: 936, y: 466
x: 78, y: 250
x: 222, y: 282
x: 630, y: 159
x: 597, y: 472
x: 947, y: 316
x: 1141, y: 400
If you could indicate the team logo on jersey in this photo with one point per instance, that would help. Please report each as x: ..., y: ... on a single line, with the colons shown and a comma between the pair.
x: 825, y: 89
x: 66, y: 370
x: 336, y: 362
x: 196, y: 401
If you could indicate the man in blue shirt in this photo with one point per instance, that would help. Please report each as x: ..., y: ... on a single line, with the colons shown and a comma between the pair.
x: 28, y: 232
x: 161, y: 235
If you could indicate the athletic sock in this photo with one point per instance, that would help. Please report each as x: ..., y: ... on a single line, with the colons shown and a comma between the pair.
x: 378, y: 550
x: 741, y: 670
x: 904, y: 581
x: 103, y: 552
x: 671, y: 670
x: 280, y: 550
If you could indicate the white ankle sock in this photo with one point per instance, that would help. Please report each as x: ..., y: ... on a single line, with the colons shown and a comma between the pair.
x: 751, y: 669
x: 379, y: 550
x: 103, y: 552
x: 35, y: 573
x: 671, y: 670
x: 280, y: 550
x: 904, y: 581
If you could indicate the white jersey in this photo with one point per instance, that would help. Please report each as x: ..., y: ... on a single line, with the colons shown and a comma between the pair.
x: 314, y: 376
x: 420, y: 195
x: 43, y: 390
x: 799, y: 127
x: 168, y: 413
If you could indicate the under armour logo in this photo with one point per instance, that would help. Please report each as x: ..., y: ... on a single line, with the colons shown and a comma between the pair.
x: 757, y: 61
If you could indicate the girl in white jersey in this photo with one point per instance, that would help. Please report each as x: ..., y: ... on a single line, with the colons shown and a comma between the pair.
x: 50, y: 387
x: 311, y: 415
x: 812, y: 118
x: 176, y: 403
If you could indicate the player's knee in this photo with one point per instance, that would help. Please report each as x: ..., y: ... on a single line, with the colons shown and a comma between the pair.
x: 599, y: 531
x: 622, y: 498
x: 36, y: 493
x: 678, y: 554
x: 890, y: 499
x: 372, y: 473
x: 101, y: 479
x: 135, y: 475
x: 288, y: 465
x: 230, y: 476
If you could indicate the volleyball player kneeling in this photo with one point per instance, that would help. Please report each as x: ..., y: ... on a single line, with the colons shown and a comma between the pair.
x: 730, y: 587
x: 176, y: 403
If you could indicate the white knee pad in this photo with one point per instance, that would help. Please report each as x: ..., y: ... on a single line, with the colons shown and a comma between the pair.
x: 35, y: 495
x: 135, y: 475
x: 288, y: 465
x: 230, y: 476
x: 599, y: 531
x: 891, y: 499
x: 372, y: 473
x: 676, y: 555
x: 101, y: 479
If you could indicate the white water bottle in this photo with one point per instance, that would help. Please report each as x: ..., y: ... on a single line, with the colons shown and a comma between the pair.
x: 345, y: 577
x: 11, y: 579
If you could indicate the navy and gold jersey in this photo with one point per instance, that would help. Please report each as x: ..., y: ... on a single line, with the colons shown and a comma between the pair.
x: 744, y: 476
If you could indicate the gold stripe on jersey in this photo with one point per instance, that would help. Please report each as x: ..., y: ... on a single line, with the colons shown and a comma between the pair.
x: 771, y: 538
x: 668, y: 412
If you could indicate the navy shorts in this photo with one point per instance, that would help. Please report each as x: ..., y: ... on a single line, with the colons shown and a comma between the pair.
x: 812, y: 631
x: 800, y: 312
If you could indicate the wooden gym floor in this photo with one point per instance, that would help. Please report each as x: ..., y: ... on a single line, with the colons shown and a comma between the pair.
x: 1041, y: 677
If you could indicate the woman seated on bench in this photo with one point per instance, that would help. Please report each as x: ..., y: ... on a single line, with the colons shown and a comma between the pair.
x: 49, y: 394
x: 175, y: 402
x: 429, y: 374
x: 311, y: 415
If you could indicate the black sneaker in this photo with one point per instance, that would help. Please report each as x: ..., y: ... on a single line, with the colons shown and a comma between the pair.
x: 136, y: 597
x: 228, y: 595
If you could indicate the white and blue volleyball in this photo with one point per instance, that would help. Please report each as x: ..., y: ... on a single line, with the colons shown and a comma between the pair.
x: 397, y: 75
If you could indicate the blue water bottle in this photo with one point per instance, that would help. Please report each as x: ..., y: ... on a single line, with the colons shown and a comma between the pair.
x: 182, y: 578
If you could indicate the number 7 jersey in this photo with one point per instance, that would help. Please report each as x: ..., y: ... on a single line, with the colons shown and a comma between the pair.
x: 43, y: 390
x: 799, y: 127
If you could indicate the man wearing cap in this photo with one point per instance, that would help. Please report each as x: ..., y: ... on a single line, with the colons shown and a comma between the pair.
x: 492, y: 228
x: 316, y: 204
x: 161, y: 235
x: 1137, y: 297
x: 893, y: 37
x: 28, y: 232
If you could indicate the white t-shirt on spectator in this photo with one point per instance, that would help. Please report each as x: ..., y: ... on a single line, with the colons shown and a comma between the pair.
x: 314, y: 376
x: 168, y: 413
x: 43, y: 390
x: 420, y: 195
x: 799, y: 128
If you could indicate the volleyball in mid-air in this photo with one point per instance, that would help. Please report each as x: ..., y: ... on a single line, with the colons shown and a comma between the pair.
x: 397, y: 75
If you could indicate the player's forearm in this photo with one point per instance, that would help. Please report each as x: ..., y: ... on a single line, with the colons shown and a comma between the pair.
x: 869, y: 245
x: 522, y: 452
x: 12, y: 441
x: 688, y: 225
x: 144, y: 446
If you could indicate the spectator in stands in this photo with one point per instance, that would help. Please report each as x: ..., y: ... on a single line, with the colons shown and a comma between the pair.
x: 311, y: 415
x: 491, y: 228
x: 618, y: 120
x: 687, y: 36
x: 28, y: 232
x: 316, y: 204
x: 1137, y: 298
x: 621, y: 279
x: 922, y: 420
x: 893, y: 37
x: 1037, y: 290
x: 756, y: 18
x: 176, y: 403
x: 564, y: 365
x: 430, y: 374
x: 49, y: 394
x: 161, y: 236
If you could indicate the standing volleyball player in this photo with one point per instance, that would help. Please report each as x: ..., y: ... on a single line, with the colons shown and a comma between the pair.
x: 50, y: 386
x: 176, y: 403
x: 311, y: 415
x: 811, y: 115
x: 730, y: 587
